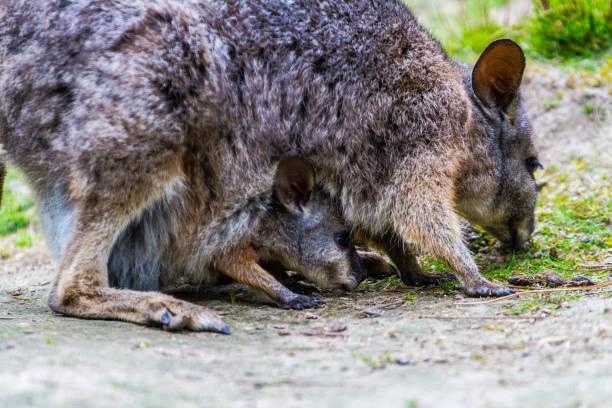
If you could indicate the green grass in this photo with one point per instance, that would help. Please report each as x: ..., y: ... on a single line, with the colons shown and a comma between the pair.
x: 566, y: 31
x: 573, y: 227
x: 550, y: 301
x: 17, y: 210
x: 466, y: 31
x: 571, y: 28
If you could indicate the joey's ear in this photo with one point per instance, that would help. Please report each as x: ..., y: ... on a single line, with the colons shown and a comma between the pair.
x: 294, y: 181
x: 497, y: 74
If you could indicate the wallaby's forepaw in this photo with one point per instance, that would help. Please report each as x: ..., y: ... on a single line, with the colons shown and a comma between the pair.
x: 303, y: 289
x: 485, y: 289
x: 301, y: 302
x: 375, y: 264
x: 416, y: 279
x: 178, y: 314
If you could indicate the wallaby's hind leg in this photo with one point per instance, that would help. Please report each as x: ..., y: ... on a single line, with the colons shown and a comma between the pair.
x: 81, y: 286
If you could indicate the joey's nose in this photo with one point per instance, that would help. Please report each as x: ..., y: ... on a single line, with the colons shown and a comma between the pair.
x: 351, y: 285
x: 353, y: 281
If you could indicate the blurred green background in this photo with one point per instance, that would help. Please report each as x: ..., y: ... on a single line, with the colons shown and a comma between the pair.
x: 564, y: 31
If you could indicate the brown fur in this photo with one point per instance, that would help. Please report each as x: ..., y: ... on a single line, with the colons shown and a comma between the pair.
x: 113, y: 108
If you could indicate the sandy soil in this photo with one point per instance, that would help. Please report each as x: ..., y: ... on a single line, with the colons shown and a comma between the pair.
x: 370, y: 347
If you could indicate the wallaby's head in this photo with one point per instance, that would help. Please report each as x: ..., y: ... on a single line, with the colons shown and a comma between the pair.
x: 498, y: 189
x: 305, y: 231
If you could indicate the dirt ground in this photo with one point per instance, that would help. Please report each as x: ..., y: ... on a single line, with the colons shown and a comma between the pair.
x: 394, y: 346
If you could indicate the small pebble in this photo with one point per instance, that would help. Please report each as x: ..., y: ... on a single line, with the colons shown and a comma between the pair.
x: 335, y: 325
x: 403, y: 361
x: 371, y: 311
x: 582, y: 280
x: 311, y: 316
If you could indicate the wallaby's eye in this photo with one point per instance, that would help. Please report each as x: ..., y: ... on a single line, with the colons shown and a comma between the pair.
x: 343, y: 239
x: 533, y: 164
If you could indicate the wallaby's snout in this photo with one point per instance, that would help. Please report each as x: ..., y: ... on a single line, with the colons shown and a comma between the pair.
x: 521, y: 234
x: 516, y: 235
x: 358, y: 272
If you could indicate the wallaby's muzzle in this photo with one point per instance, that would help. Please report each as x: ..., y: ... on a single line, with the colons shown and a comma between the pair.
x: 358, y: 274
x: 516, y: 236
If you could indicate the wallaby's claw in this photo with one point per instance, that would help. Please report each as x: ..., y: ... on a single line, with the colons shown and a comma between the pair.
x: 503, y: 292
x: 165, y: 319
x: 301, y: 302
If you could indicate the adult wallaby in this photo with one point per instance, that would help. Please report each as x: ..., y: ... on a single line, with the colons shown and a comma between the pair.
x: 108, y: 107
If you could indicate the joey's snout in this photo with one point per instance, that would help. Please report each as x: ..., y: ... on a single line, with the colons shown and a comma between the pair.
x: 358, y: 273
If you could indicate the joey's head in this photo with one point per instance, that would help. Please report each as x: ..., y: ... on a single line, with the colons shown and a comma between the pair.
x: 305, y: 231
x: 497, y: 189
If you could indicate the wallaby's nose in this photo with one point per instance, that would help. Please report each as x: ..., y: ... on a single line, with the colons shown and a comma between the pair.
x: 359, y: 272
x: 522, y: 235
x: 519, y: 240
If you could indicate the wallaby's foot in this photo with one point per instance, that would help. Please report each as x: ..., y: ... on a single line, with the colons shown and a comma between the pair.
x: 301, y: 288
x: 411, y: 278
x: 412, y: 274
x: 148, y: 308
x: 485, y: 288
x: 300, y: 302
x: 174, y: 314
x: 407, y: 265
x: 375, y: 265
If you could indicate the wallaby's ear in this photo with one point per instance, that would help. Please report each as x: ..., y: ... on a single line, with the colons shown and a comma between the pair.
x: 497, y: 74
x: 294, y: 181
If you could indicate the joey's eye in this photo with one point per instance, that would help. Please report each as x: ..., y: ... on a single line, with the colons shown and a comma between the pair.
x: 343, y: 239
x: 533, y: 164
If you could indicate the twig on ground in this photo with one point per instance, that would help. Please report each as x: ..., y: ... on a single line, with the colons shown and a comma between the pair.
x: 599, y: 267
x: 19, y: 298
x: 533, y: 291
x: 390, y: 305
x: 445, y: 317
